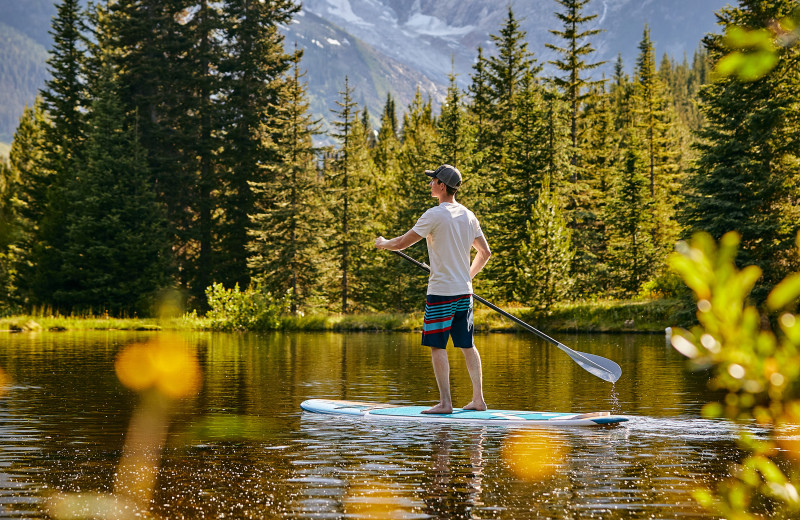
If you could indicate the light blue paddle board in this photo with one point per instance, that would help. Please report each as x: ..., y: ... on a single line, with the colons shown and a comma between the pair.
x: 414, y: 413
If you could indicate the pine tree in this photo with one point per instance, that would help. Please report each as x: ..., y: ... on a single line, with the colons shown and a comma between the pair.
x: 286, y: 229
x: 30, y: 182
x: 454, y: 136
x: 746, y: 175
x: 369, y: 132
x: 169, y: 62
x: 573, y: 64
x: 116, y: 253
x: 529, y: 165
x: 650, y: 103
x: 387, y: 144
x: 253, y: 66
x: 349, y: 182
x: 479, y: 117
x: 9, y: 229
x: 201, y: 123
x: 504, y: 74
x: 622, y: 93
x: 630, y: 224
x: 64, y: 95
x: 601, y: 157
x: 417, y: 154
x: 64, y: 101
x: 542, y: 263
x: 382, y: 272
x: 663, y: 139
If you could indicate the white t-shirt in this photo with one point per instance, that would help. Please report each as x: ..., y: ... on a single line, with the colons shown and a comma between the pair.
x: 449, y: 229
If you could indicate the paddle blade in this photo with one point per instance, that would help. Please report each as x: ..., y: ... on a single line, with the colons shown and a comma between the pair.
x: 601, y: 367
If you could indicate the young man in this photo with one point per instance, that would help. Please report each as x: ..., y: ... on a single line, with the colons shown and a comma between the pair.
x: 451, y: 230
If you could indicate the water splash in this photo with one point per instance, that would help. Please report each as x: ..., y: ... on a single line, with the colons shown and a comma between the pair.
x: 616, y: 407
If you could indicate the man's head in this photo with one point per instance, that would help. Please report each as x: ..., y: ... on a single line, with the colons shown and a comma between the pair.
x: 448, y: 175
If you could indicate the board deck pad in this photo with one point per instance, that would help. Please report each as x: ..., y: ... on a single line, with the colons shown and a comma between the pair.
x: 505, y: 417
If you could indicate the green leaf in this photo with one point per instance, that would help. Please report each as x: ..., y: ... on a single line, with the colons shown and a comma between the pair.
x: 785, y: 292
x: 770, y: 471
x: 712, y: 410
x: 756, y: 65
x: 747, y: 278
x: 729, y: 64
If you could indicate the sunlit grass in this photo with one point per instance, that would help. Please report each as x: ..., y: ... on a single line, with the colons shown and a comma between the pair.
x: 596, y: 316
x: 613, y: 315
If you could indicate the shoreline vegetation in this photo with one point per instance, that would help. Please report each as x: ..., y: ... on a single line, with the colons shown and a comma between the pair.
x: 608, y: 316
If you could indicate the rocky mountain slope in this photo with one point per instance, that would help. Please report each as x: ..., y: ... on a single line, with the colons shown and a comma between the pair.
x: 387, y: 45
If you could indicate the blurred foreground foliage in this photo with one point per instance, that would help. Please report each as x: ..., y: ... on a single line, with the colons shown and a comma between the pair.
x: 754, y: 356
x: 163, y: 371
x: 754, y: 52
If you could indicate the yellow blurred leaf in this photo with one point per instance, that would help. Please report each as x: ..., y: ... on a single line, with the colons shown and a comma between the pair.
x: 748, y: 278
x: 712, y: 410
x: 740, y: 38
x: 165, y: 363
x: 134, y: 367
x: 729, y: 64
x: 785, y: 292
x: 756, y: 65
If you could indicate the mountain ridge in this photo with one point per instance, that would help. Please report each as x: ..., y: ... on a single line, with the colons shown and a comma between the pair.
x: 393, y: 45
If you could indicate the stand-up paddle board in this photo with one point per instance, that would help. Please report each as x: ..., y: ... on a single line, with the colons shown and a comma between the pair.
x: 414, y: 413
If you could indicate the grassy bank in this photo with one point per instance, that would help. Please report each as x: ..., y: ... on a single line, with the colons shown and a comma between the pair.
x: 604, y: 316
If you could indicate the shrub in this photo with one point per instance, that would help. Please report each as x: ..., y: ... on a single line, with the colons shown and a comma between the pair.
x: 254, y: 309
x: 759, y: 367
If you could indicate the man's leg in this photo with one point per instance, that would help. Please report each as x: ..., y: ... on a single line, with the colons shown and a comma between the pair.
x: 475, y: 370
x: 441, y: 368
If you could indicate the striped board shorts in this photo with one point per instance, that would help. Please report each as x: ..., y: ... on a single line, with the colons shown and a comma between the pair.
x: 447, y: 316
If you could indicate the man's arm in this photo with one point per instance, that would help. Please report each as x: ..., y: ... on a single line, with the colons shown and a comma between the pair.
x: 398, y: 243
x: 482, y: 246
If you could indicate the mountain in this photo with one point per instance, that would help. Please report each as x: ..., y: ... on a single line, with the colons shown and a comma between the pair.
x: 330, y: 54
x: 388, y: 45
x: 22, y: 73
x: 429, y: 34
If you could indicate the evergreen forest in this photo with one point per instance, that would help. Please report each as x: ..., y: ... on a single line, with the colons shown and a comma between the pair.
x: 174, y: 148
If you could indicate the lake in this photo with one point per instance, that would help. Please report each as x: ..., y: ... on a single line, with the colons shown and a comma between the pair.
x: 242, y: 448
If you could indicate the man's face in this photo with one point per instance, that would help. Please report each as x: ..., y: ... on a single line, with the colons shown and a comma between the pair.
x: 437, y: 188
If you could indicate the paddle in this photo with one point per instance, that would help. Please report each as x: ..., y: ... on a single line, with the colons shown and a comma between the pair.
x: 596, y: 365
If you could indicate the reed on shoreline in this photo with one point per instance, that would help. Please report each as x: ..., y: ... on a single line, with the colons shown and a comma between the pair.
x: 611, y: 316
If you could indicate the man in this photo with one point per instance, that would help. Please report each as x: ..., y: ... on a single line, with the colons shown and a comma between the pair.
x: 451, y: 230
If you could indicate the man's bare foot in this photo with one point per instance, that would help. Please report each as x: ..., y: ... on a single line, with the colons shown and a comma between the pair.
x: 479, y: 406
x: 439, y: 408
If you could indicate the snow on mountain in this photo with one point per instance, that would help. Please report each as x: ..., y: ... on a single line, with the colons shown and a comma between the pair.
x: 398, y: 46
x: 430, y: 35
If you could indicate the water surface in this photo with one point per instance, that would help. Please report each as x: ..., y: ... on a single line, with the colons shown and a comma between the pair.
x: 242, y: 448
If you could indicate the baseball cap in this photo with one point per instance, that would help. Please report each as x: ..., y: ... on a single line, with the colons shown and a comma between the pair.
x: 447, y: 174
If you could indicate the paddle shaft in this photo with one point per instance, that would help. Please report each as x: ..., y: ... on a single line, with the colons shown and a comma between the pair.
x: 599, y: 366
x: 489, y: 304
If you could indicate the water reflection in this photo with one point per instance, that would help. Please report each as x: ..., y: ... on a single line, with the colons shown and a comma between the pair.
x: 241, y: 448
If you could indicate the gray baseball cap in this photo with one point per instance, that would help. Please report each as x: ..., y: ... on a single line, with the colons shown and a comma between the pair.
x: 447, y: 174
